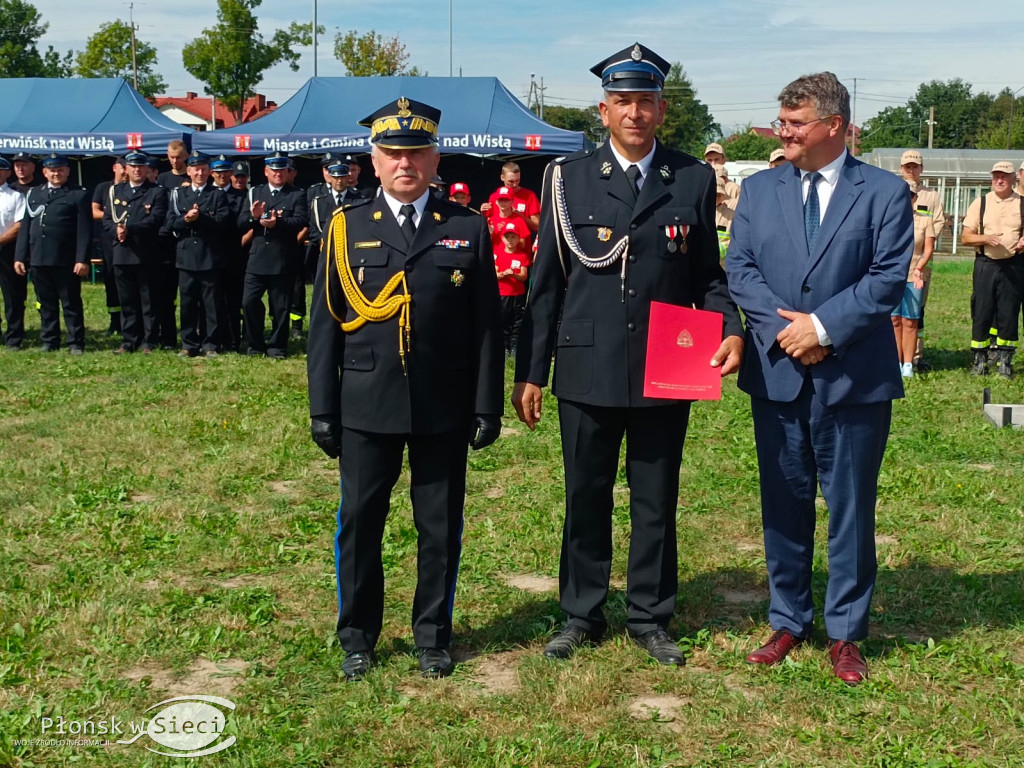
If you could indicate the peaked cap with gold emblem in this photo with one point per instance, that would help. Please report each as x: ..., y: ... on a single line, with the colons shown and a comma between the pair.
x: 403, y: 124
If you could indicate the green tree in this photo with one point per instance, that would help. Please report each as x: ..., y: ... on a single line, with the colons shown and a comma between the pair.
x: 108, y: 53
x: 231, y: 57
x: 587, y: 120
x: 996, y: 132
x: 372, y: 54
x: 688, y: 124
x: 21, y: 26
x: 894, y: 127
x: 747, y: 145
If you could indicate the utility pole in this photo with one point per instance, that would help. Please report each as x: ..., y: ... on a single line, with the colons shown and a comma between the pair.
x: 931, y: 126
x: 853, y: 122
x: 135, y: 66
x: 542, y: 89
x: 314, y: 38
x: 451, y: 57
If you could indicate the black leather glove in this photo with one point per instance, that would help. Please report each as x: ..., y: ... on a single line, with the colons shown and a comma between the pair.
x: 326, y: 434
x: 484, y: 431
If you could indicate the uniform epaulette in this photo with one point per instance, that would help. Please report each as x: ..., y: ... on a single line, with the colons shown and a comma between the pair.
x: 574, y: 156
x: 349, y: 206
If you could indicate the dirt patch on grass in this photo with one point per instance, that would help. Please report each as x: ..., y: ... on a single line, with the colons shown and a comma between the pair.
x: 982, y: 467
x: 284, y: 487
x: 498, y: 673
x: 748, y: 545
x: 203, y: 676
x: 174, y: 580
x: 510, y: 431
x: 536, y: 584
x: 241, y: 581
x: 886, y: 541
x: 740, y: 596
x: 141, y: 498
x: 659, y: 709
x: 733, y: 683
x: 495, y: 492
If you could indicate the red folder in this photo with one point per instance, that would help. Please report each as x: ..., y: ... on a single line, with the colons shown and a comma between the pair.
x: 680, y: 344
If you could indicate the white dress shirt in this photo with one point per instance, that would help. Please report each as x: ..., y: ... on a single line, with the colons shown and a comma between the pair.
x: 644, y: 164
x: 395, y: 205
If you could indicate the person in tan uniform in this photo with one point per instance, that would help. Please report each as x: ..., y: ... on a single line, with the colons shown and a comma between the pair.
x: 906, y: 316
x: 776, y: 158
x: 994, y: 224
x: 714, y: 155
x: 725, y: 209
x: 1020, y: 180
x: 929, y: 207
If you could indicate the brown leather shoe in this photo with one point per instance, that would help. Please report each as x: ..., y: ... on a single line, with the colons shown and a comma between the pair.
x: 847, y: 662
x: 776, y: 649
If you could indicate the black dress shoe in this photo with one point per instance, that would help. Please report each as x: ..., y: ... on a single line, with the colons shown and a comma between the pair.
x: 357, y: 664
x: 435, y: 662
x: 660, y: 646
x: 569, y: 640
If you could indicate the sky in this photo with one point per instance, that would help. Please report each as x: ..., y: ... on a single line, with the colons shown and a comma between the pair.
x: 738, y: 54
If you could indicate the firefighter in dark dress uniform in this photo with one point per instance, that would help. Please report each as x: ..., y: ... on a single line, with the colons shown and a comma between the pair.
x: 404, y: 350
x: 53, y: 248
x: 622, y: 226
x: 133, y: 213
x: 197, y: 216
x: 275, y: 212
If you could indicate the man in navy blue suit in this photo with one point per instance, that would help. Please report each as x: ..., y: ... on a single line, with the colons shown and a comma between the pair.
x: 818, y: 260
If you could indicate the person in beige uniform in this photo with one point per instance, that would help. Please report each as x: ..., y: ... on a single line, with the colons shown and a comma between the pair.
x: 1020, y: 180
x: 994, y: 224
x: 906, y: 316
x: 725, y: 209
x: 928, y: 207
x: 714, y: 155
x: 777, y: 158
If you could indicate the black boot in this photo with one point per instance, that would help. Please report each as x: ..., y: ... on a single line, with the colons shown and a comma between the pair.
x: 1006, y: 363
x: 980, y: 367
x: 296, y: 329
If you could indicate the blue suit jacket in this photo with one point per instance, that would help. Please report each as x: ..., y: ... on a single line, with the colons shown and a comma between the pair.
x: 851, y: 280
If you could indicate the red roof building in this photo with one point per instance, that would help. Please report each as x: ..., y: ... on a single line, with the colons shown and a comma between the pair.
x: 201, y: 113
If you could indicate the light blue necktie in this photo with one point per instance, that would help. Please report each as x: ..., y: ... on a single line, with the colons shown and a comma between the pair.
x: 812, y: 212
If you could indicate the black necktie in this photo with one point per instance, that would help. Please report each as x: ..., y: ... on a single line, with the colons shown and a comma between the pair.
x: 273, y: 192
x: 633, y: 174
x: 408, y: 227
x: 49, y: 192
x: 812, y: 211
x: 337, y: 199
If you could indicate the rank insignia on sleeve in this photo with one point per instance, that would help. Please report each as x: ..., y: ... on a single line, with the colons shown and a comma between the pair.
x: 377, y: 215
x: 604, y: 234
x: 606, y: 169
x: 458, y: 278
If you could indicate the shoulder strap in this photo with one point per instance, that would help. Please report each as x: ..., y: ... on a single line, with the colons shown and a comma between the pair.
x: 981, y: 223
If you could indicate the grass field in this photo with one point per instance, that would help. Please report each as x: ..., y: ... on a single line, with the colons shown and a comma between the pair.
x: 167, y: 530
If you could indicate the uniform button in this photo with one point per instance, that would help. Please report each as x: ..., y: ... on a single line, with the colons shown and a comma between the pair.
x: 362, y: 261
x: 632, y: 226
x: 631, y: 326
x: 806, y: 289
x: 632, y: 292
x: 568, y: 338
x: 632, y: 258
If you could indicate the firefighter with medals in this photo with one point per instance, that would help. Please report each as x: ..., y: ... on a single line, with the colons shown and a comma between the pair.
x: 627, y: 224
x: 404, y: 350
x: 133, y: 214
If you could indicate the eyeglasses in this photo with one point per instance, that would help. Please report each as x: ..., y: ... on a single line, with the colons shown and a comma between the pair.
x: 795, y: 128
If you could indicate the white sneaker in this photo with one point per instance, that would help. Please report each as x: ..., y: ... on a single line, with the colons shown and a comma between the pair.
x: 907, y: 370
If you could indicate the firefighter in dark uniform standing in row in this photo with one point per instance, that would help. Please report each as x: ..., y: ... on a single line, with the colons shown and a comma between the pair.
x: 323, y: 206
x: 133, y: 213
x: 197, y: 217
x: 275, y: 212
x: 622, y: 226
x: 404, y: 350
x: 13, y: 287
x: 53, y: 248
x: 233, y: 271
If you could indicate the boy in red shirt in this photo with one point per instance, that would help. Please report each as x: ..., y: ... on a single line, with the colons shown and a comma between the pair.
x: 511, y: 262
x: 504, y: 214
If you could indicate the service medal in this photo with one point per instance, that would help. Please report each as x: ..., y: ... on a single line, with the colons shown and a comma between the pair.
x: 458, y: 278
x: 604, y: 234
x: 672, y: 247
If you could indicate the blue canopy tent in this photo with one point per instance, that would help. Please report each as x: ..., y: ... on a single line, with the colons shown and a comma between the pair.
x: 80, y: 117
x: 479, y: 116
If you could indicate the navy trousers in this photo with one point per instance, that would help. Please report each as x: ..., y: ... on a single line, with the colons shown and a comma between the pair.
x: 800, y: 444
